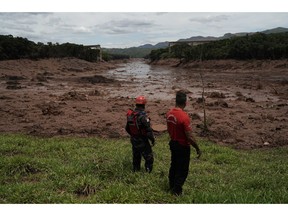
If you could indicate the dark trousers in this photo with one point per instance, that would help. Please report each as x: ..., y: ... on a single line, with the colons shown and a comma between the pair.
x: 179, y: 167
x: 141, y: 148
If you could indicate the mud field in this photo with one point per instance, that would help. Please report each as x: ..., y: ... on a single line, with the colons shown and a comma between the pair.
x: 246, y: 101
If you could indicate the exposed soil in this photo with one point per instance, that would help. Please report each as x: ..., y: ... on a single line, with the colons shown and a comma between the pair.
x: 246, y: 101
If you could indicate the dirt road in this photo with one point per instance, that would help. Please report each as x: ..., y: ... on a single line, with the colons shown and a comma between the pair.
x: 246, y: 101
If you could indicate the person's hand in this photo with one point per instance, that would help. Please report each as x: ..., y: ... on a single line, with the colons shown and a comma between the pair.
x: 199, y: 153
x: 152, y: 142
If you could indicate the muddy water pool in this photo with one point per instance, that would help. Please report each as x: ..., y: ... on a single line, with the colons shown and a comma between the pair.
x: 156, y: 82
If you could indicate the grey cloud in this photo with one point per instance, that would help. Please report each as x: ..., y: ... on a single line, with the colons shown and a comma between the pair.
x: 23, y: 16
x: 53, y: 21
x: 116, y: 30
x: 72, y: 29
x: 18, y: 21
x: 210, y: 19
x: 161, y: 13
x: 15, y: 27
x: 129, y: 23
x: 123, y: 26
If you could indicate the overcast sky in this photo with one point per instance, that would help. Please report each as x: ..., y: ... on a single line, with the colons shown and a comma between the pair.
x: 127, y: 29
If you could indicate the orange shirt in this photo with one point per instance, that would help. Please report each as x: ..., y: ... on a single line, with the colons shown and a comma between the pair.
x: 178, y: 122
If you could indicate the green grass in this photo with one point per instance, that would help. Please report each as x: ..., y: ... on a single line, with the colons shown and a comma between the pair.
x: 94, y: 170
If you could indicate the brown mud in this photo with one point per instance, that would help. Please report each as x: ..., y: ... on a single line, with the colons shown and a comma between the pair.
x: 246, y: 101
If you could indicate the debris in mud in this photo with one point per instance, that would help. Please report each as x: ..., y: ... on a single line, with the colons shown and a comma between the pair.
x: 96, y: 79
x: 246, y: 99
x: 11, y: 77
x: 121, y: 71
x: 249, y: 99
x: 200, y: 100
x: 41, y: 78
x: 12, y: 81
x: 35, y: 129
x: 216, y: 95
x: 94, y: 93
x: 284, y: 65
x: 219, y: 103
x: 281, y: 141
x: 4, y: 97
x: 220, y: 133
x: 74, y: 95
x: 50, y: 108
x: 114, y: 134
x: 65, y: 131
x: 75, y: 69
x: 84, y: 110
x: 284, y: 81
x: 90, y: 131
x: 13, y: 84
x: 195, y: 116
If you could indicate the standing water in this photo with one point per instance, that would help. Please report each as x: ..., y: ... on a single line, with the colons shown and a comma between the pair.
x: 139, y: 78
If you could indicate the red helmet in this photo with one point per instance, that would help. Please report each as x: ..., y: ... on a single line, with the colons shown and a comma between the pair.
x: 140, y: 100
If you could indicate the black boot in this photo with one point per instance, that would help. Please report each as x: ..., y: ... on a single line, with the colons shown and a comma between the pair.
x: 149, y: 168
x: 136, y: 168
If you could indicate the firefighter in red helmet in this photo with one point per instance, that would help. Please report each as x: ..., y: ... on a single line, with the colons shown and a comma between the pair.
x: 140, y: 131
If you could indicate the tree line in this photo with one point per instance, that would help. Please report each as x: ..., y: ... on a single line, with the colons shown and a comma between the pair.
x: 18, y: 47
x: 256, y: 46
x: 132, y: 52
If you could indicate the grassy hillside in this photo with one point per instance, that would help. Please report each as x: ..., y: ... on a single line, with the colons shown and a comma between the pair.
x: 93, y: 170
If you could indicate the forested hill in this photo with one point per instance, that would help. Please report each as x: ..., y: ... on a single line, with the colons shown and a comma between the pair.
x: 18, y: 47
x: 144, y: 50
x: 255, y: 46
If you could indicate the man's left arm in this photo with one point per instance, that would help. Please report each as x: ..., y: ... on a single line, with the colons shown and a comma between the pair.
x: 190, y: 137
x: 192, y: 141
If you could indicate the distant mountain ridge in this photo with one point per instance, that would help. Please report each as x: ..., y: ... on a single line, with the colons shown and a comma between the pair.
x: 275, y: 30
x: 211, y: 38
x: 157, y: 46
